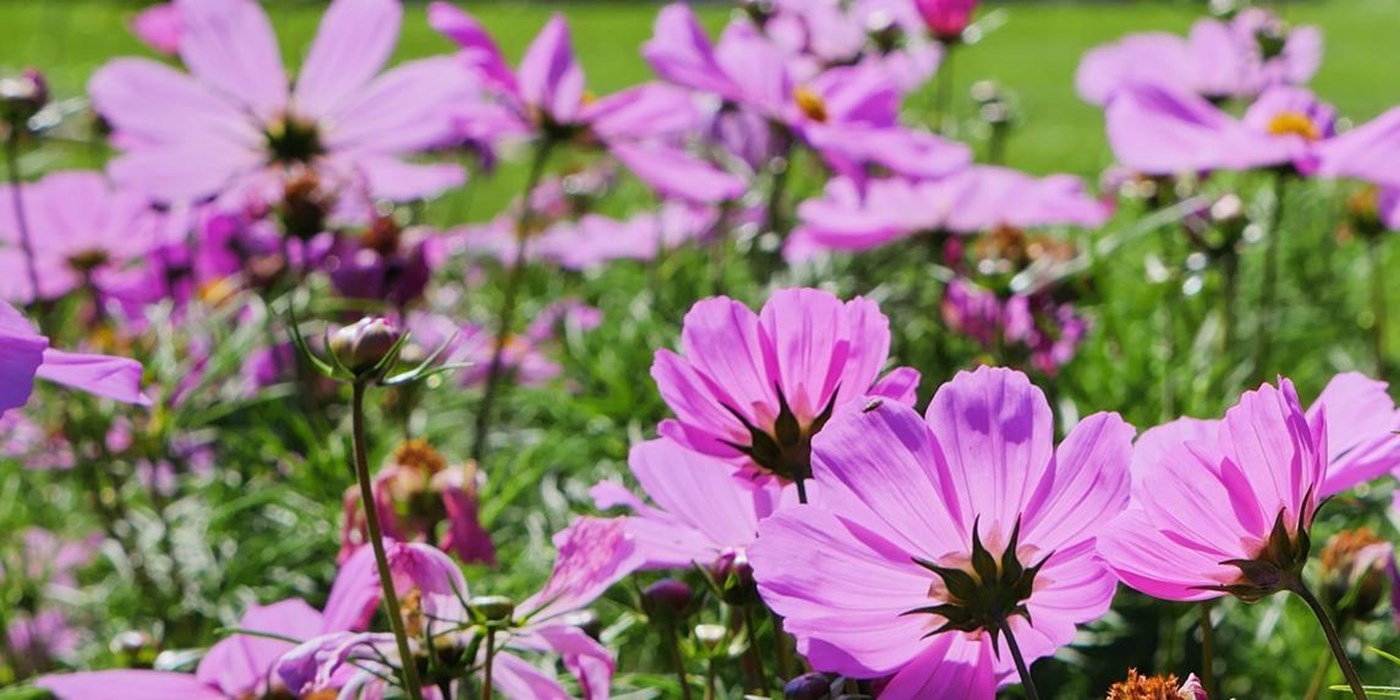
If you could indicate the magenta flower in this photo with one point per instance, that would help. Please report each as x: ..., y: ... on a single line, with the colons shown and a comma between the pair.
x: 888, y: 35
x: 81, y: 232
x: 386, y: 263
x: 1164, y: 132
x: 235, y: 119
x: 1029, y: 327
x: 547, y: 98
x: 859, y: 216
x: 938, y: 539
x: 238, y: 667
x: 1222, y: 506
x: 849, y: 115
x: 24, y: 355
x: 1361, y: 423
x: 755, y: 388
x: 946, y: 19
x: 159, y: 27
x: 705, y: 511
x: 595, y: 240
x: 1216, y: 60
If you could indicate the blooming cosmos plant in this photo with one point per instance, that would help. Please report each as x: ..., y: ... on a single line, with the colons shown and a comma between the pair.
x: 947, y: 547
x: 235, y: 121
x: 755, y: 388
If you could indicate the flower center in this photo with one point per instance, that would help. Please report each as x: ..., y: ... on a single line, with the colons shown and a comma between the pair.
x: 786, y: 449
x: 293, y: 140
x: 88, y: 260
x: 810, y: 103
x: 985, y: 595
x: 418, y: 454
x: 1139, y: 687
x: 1294, y: 123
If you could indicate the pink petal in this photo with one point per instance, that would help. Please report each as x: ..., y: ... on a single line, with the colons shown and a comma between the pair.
x: 21, y: 354
x: 702, y: 492
x: 157, y: 104
x: 681, y: 53
x: 241, y: 664
x: 722, y: 342
x: 675, y: 174
x: 1361, y: 420
x: 1087, y: 484
x: 115, y: 378
x: 1160, y: 132
x: 128, y: 685
x: 354, y: 42
x: 230, y: 45
x: 407, y: 109
x: 185, y: 171
x: 159, y: 27
x: 951, y: 665
x: 478, y: 48
x: 1144, y: 558
x: 550, y: 77
x: 397, y: 181
x: 513, y: 677
x: 594, y: 553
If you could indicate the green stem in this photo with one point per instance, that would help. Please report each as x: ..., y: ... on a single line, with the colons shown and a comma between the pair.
x: 1207, y: 649
x: 673, y: 646
x: 511, y: 294
x: 1378, y: 302
x: 1229, y: 279
x: 1270, y: 283
x: 759, y: 679
x: 1021, y: 668
x: 780, y: 639
x: 1333, y: 639
x: 486, y: 688
x: 386, y: 582
x: 21, y: 219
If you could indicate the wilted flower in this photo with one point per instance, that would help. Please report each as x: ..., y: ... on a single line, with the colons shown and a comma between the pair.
x: 1140, y: 687
x: 1353, y: 574
x: 755, y: 388
x: 939, y: 538
x: 419, y: 497
x: 236, y: 121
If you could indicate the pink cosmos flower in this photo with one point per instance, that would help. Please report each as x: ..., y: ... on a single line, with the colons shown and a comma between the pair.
x: 859, y: 216
x: 159, y: 27
x: 414, y: 493
x: 705, y: 511
x: 24, y: 355
x: 1222, y: 506
x: 849, y: 115
x: 235, y: 120
x: 922, y: 518
x: 946, y: 19
x: 1032, y: 325
x: 1217, y: 60
x: 755, y: 388
x: 1360, y: 421
x: 81, y: 232
x: 888, y: 35
x: 546, y: 97
x: 238, y: 667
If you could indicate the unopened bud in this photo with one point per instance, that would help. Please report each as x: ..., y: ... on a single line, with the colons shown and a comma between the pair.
x: 808, y: 686
x: 735, y: 578
x: 667, y: 600
x: 23, y: 95
x: 366, y: 344
x: 710, y: 636
x: 492, y: 608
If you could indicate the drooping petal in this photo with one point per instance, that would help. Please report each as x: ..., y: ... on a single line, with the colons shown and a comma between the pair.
x: 675, y: 174
x: 705, y: 493
x: 230, y: 45
x: 590, y: 662
x: 352, y: 45
x: 115, y: 378
x: 21, y: 354
x: 514, y: 678
x: 594, y: 553
x: 1162, y: 132
x: 242, y: 663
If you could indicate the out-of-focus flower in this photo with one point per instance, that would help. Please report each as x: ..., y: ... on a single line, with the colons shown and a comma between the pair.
x: 1222, y: 507
x: 240, y: 666
x: 416, y: 494
x: 235, y: 120
x: 936, y: 536
x: 81, y: 232
x: 946, y: 19
x: 858, y: 216
x: 385, y: 263
x: 37, y: 445
x: 159, y: 27
x: 705, y: 510
x: 24, y: 355
x: 22, y: 96
x: 1033, y: 325
x: 1217, y: 60
x: 1140, y: 687
x: 755, y: 388
x: 547, y: 98
x: 526, y: 356
x: 848, y: 114
x: 1353, y: 574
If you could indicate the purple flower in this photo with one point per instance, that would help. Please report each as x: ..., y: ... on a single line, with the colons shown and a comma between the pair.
x: 859, y: 216
x: 159, y: 27
x: 81, y: 231
x: 1217, y: 60
x: 235, y: 118
x: 1044, y: 332
x: 386, y: 263
x: 705, y: 510
x: 946, y: 19
x: 240, y: 666
x: 1222, y: 507
x: 547, y: 98
x: 24, y: 355
x: 847, y: 114
x: 755, y: 388
x: 1361, y: 423
x: 921, y: 518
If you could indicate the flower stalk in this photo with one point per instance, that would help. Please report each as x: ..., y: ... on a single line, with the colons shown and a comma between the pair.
x: 1334, y: 640
x: 1021, y: 668
x: 1269, y: 287
x: 412, y: 684
x: 12, y: 143
x: 514, y: 276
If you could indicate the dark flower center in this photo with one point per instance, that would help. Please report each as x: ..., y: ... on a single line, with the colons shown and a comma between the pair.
x: 293, y: 140
x: 88, y: 260
x: 786, y: 450
x: 988, y: 594
x: 1277, y: 567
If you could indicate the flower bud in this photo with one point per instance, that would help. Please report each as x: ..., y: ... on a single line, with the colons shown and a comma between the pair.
x: 735, y: 577
x: 667, y: 600
x: 492, y: 609
x: 808, y: 686
x: 946, y: 19
x: 23, y: 95
x: 1353, y: 573
x: 366, y: 344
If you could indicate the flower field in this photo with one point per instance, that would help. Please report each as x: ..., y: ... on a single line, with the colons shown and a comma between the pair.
x: 782, y: 348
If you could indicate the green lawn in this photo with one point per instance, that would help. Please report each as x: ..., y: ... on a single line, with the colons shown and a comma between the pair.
x: 1034, y: 52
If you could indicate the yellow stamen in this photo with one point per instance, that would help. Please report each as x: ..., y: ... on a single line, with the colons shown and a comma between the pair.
x: 1291, y: 123
x: 811, y: 104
